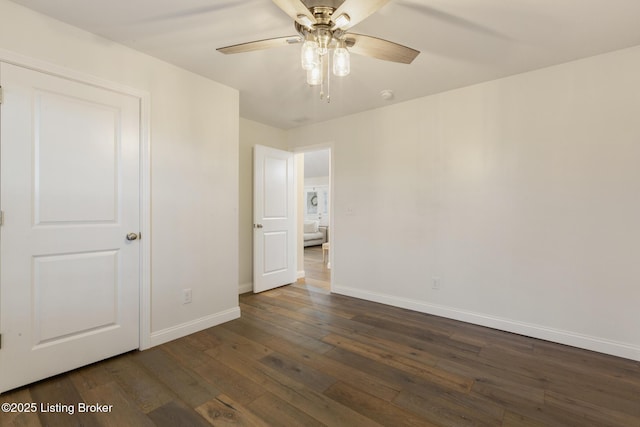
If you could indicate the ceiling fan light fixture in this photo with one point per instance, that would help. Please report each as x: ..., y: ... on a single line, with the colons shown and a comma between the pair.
x: 309, y: 55
x: 341, y: 62
x: 342, y: 21
x: 324, y: 37
x: 322, y: 28
x: 304, y: 20
x: 314, y: 76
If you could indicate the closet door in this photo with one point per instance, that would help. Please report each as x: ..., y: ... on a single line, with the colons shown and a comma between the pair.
x: 69, y: 254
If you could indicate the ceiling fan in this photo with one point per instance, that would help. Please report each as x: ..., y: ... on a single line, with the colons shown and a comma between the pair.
x: 322, y: 27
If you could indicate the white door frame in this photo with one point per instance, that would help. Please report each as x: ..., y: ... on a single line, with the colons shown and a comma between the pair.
x: 145, y: 161
x: 318, y: 147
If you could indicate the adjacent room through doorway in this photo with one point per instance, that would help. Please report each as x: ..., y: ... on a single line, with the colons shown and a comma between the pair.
x: 316, y: 218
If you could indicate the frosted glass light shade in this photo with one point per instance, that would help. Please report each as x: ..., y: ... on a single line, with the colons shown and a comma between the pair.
x: 314, y: 76
x: 309, y: 55
x: 341, y: 62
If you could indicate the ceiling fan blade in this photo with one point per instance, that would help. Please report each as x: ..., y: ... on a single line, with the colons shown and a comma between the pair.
x: 357, y: 10
x: 295, y: 8
x: 380, y: 48
x: 260, y: 44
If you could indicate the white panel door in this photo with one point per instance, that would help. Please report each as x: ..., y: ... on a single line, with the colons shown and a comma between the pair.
x: 69, y: 277
x: 274, y: 219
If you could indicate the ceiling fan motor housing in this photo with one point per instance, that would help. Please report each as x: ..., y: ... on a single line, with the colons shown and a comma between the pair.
x: 334, y: 4
x: 322, y: 30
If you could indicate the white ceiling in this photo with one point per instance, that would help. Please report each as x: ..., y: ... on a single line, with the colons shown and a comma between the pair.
x: 462, y: 42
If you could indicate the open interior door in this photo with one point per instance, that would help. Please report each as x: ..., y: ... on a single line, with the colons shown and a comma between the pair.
x: 274, y: 218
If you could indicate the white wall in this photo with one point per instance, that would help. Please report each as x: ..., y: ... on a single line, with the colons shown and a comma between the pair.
x: 194, y: 167
x: 251, y: 134
x: 521, y: 195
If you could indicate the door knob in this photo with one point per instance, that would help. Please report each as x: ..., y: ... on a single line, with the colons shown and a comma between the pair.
x: 258, y: 226
x: 132, y: 236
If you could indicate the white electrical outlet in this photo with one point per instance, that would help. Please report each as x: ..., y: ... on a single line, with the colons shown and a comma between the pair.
x: 435, y: 284
x: 186, y: 296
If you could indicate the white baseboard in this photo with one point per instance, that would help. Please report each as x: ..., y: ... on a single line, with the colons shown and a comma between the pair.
x: 301, y: 274
x: 194, y: 326
x: 614, y: 348
x: 245, y: 287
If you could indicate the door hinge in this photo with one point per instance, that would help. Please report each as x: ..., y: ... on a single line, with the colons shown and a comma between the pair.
x: 0, y: 340
x: 0, y: 94
x: 1, y: 218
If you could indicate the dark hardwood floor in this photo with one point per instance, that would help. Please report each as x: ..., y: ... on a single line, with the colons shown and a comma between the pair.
x: 301, y: 356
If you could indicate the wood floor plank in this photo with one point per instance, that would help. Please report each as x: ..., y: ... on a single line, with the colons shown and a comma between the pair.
x: 607, y: 397
x: 315, y: 266
x: 240, y: 343
x: 299, y: 355
x: 621, y: 368
x: 442, y: 410
x: 250, y: 328
x: 276, y: 412
x: 411, y: 366
x: 202, y: 340
x: 144, y: 389
x: 512, y: 419
x: 285, y: 322
x: 490, y: 373
x: 259, y: 331
x: 224, y: 411
x: 420, y: 333
x: 123, y: 411
x: 408, y: 353
x: 325, y: 322
x: 362, y: 380
x: 595, y: 412
x: 334, y: 304
x: 191, y: 388
x: 58, y: 400
x: 18, y: 418
x: 238, y: 387
x: 398, y: 378
x: 312, y: 378
x: 531, y: 364
x: 297, y: 394
x: 374, y: 408
x: 574, y: 382
x: 298, y: 302
x: 529, y: 409
x: 268, y: 299
x: 91, y: 376
x: 177, y: 414
x: 319, y: 286
x: 186, y: 353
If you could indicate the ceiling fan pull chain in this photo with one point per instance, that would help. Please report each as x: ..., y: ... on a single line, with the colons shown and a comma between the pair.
x: 322, y: 80
x: 329, y: 79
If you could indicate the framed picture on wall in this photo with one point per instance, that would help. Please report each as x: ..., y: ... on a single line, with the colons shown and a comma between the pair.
x: 312, y: 202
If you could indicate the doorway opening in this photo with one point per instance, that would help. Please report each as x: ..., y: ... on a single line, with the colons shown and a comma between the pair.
x: 315, y: 205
